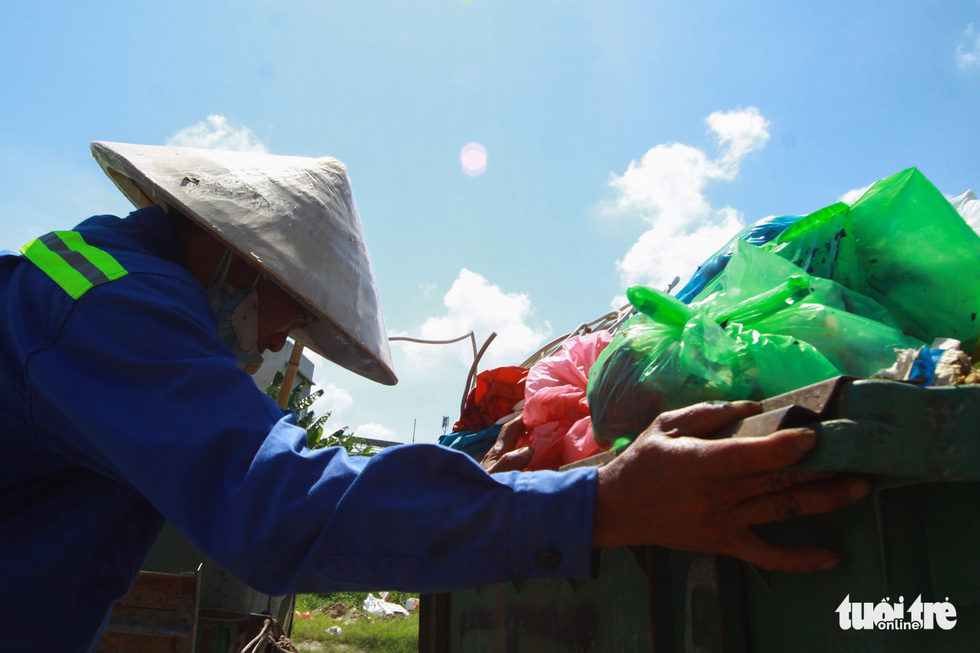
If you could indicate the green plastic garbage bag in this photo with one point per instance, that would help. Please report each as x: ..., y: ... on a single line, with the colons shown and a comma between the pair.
x: 761, y: 328
x: 902, y: 244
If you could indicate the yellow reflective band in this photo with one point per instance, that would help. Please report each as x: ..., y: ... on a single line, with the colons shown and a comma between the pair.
x: 72, y: 263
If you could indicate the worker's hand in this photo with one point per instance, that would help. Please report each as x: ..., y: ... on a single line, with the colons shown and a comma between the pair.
x: 674, y: 489
x: 502, y: 457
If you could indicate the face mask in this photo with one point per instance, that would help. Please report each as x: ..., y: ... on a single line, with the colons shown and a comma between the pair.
x: 237, y: 310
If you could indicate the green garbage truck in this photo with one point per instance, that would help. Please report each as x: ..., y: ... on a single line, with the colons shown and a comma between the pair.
x: 907, y: 580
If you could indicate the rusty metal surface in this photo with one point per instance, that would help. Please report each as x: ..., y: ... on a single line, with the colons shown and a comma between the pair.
x: 765, y: 424
x: 873, y: 427
x: 126, y: 642
x: 808, y: 405
x: 157, y: 615
x: 818, y: 397
x: 804, y: 406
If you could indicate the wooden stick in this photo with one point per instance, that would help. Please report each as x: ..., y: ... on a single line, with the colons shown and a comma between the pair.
x: 260, y: 639
x: 290, y: 375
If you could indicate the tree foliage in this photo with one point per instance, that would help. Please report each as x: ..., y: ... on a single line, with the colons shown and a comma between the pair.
x: 300, y: 401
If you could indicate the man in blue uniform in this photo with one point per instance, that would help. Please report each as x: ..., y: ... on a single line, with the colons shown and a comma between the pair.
x: 123, y: 403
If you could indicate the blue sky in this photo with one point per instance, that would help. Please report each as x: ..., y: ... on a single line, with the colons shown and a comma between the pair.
x: 625, y: 141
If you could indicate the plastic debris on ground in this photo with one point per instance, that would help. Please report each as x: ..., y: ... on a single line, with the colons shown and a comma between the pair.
x: 377, y: 606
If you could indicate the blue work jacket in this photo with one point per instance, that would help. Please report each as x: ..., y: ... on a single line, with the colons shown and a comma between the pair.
x: 122, y: 409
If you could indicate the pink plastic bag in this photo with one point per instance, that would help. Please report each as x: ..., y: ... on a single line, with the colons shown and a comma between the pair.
x: 556, y: 411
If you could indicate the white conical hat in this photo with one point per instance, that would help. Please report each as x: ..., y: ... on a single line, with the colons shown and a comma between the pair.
x: 292, y: 217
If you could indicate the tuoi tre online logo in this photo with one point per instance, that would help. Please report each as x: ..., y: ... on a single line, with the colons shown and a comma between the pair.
x: 920, y: 615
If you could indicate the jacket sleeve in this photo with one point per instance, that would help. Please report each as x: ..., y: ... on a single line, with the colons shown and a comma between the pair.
x: 137, y: 387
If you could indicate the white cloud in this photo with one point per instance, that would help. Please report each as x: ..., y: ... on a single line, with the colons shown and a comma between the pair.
x: 854, y: 195
x: 739, y: 133
x: 374, y: 432
x: 334, y: 399
x: 969, y: 57
x: 216, y: 133
x: 666, y: 190
x: 429, y: 289
x: 431, y: 377
x: 661, y: 254
x: 474, y: 304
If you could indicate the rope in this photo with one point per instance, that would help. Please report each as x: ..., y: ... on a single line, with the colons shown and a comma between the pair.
x: 477, y: 355
x: 611, y: 322
x: 469, y: 335
x: 471, y: 377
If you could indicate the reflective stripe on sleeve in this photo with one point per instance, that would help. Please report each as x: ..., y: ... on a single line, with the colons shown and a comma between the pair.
x: 72, y: 263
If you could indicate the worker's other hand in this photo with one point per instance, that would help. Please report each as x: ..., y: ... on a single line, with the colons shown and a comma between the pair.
x: 502, y: 457
x: 675, y: 489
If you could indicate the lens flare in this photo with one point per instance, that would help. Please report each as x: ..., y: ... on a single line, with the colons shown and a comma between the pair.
x: 474, y: 159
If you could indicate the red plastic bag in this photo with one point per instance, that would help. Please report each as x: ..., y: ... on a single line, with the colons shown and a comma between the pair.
x: 493, y: 397
x: 556, y: 410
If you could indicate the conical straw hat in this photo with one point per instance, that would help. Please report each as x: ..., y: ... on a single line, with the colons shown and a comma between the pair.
x: 292, y: 217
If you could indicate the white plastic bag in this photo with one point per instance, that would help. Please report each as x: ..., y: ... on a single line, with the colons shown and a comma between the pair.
x: 373, y: 605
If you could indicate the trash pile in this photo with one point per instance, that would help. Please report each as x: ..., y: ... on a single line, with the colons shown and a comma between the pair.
x: 550, y: 397
x: 373, y: 607
x: 339, y: 610
x: 382, y: 607
x: 886, y: 287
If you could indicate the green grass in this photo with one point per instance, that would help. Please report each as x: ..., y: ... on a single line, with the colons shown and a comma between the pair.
x: 306, y: 602
x: 396, y: 634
